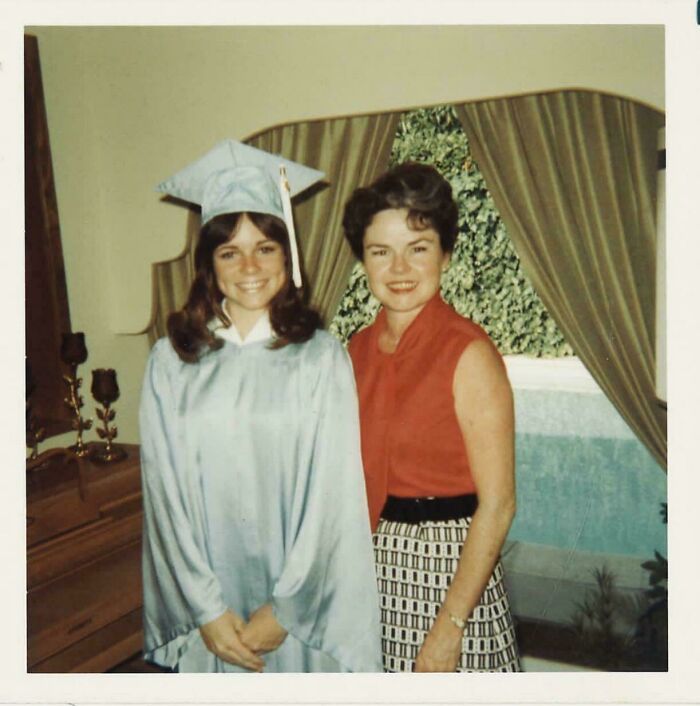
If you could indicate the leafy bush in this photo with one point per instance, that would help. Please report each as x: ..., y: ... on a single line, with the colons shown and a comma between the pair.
x: 595, y: 624
x: 652, y: 630
x: 484, y: 281
x: 623, y: 632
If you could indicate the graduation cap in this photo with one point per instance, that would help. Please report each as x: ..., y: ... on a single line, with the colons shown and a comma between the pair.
x: 233, y: 177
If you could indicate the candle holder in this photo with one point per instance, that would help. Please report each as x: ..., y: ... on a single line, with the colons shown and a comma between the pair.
x: 34, y: 433
x: 73, y: 353
x: 106, y: 391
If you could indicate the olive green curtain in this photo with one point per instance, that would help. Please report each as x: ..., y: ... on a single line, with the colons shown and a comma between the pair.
x: 171, y: 281
x: 573, y: 175
x: 352, y: 152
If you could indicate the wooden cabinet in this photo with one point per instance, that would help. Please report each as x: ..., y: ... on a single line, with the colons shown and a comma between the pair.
x: 84, y: 599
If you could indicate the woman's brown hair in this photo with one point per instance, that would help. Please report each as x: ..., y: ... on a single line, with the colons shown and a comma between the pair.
x: 420, y: 188
x: 292, y: 320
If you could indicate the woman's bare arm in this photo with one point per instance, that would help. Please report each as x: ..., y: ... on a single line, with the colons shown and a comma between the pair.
x: 484, y: 408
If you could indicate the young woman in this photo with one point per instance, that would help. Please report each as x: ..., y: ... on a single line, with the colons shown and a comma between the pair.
x: 257, y: 548
x: 437, y: 437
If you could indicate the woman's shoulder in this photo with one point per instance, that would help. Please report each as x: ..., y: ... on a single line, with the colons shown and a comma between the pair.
x: 323, y: 345
x: 473, y: 349
x: 360, y: 339
x: 164, y: 356
x: 323, y: 358
x: 462, y: 327
x: 466, y: 342
x: 162, y: 348
x: 163, y: 369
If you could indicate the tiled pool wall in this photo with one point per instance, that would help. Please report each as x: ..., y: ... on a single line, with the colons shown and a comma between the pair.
x: 584, y: 481
x: 589, y: 494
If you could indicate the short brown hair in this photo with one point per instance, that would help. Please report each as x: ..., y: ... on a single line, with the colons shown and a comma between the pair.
x: 418, y: 187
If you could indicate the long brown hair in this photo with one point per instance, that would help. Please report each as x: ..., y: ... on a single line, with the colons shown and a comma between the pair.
x: 292, y: 320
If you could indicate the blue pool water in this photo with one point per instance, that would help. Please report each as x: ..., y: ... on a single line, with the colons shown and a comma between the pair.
x: 584, y: 481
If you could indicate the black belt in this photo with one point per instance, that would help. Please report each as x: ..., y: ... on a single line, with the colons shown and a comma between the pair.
x: 413, y: 510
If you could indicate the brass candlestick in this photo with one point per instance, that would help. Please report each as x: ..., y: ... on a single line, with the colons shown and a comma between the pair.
x: 34, y: 433
x: 73, y: 353
x: 106, y: 391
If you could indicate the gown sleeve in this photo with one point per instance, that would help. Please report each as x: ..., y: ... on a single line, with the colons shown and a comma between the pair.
x: 327, y: 595
x: 180, y: 589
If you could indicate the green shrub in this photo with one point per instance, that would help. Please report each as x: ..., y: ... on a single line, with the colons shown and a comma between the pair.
x: 484, y: 281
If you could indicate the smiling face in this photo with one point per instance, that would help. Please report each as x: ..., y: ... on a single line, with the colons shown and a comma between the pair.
x: 403, y: 265
x: 249, y: 270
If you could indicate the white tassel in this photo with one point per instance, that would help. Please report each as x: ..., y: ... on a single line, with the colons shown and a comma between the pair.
x: 289, y: 222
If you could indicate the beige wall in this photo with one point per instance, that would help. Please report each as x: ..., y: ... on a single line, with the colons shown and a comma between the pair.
x: 128, y: 106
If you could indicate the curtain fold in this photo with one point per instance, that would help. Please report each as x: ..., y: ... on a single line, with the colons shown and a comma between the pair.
x: 573, y: 175
x: 171, y: 281
x: 352, y: 152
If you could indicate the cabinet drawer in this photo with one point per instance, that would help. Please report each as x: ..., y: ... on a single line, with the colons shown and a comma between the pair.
x: 78, y: 604
x: 99, y: 651
x: 61, y: 513
x: 120, y: 526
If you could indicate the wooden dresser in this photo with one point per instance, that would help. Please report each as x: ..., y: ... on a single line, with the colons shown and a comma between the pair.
x: 84, y: 524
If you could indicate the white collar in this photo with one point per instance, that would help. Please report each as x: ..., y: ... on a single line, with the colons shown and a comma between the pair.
x: 261, y: 331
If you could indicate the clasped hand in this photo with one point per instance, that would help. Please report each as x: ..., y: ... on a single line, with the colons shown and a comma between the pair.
x: 233, y: 640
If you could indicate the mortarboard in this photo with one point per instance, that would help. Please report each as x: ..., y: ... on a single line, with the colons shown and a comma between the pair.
x: 233, y: 177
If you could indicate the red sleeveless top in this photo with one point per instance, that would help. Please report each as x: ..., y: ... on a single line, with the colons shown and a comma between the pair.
x: 412, y: 445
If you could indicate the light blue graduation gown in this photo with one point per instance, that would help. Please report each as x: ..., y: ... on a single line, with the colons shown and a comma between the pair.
x: 254, y: 493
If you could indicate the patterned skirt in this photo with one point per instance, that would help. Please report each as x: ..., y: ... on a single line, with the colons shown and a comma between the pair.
x: 415, y: 564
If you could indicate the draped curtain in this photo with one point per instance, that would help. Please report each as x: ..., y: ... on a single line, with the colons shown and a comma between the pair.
x: 171, y: 281
x: 352, y: 152
x: 573, y: 175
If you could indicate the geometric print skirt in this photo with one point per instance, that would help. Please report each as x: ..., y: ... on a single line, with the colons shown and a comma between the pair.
x: 415, y: 563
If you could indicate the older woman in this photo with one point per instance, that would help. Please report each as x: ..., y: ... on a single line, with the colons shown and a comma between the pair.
x: 257, y: 547
x: 437, y: 427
